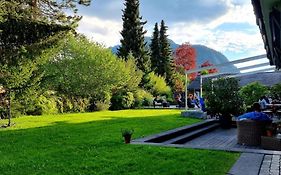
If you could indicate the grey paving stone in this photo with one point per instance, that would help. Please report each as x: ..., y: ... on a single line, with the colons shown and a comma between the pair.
x: 247, y: 164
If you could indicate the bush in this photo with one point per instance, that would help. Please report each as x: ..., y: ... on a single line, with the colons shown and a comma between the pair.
x: 46, y: 105
x: 72, y: 104
x: 223, y: 99
x: 275, y: 91
x: 252, y: 92
x: 142, y: 98
x: 101, y: 106
x: 122, y: 100
x: 156, y: 85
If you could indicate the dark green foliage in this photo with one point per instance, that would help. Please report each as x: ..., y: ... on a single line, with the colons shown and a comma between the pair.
x: 29, y: 35
x: 59, y: 12
x: 165, y: 54
x: 275, y: 92
x: 223, y: 97
x: 122, y: 100
x: 253, y: 92
x: 133, y: 36
x: 155, y: 50
x: 87, y: 70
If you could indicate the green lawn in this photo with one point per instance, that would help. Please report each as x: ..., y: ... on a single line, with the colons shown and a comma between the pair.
x: 91, y: 143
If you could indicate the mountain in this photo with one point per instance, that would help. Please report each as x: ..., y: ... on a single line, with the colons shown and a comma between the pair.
x: 203, y: 54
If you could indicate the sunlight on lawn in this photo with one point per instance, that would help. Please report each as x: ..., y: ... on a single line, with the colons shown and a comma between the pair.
x: 49, y: 120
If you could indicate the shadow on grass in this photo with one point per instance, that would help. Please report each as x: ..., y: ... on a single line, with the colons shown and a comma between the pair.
x: 97, y: 147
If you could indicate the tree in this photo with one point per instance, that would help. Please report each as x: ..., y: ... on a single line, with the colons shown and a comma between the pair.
x: 133, y: 36
x: 185, y: 57
x: 165, y: 54
x: 84, y: 69
x: 209, y: 71
x: 155, y: 50
x: 45, y: 10
x: 30, y: 32
x: 275, y: 91
x: 253, y: 92
x: 223, y: 99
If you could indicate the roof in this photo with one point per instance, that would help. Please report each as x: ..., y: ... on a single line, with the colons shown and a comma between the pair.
x: 268, y: 18
x: 265, y: 78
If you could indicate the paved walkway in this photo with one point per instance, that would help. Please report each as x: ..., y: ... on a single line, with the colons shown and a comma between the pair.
x: 256, y: 164
x: 253, y: 160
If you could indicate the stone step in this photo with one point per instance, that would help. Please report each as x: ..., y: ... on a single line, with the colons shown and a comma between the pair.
x: 193, y: 134
x: 168, y: 135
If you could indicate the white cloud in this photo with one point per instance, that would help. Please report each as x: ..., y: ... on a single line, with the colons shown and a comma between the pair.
x: 106, y: 32
x: 247, y: 40
x: 240, y: 41
x: 236, y: 14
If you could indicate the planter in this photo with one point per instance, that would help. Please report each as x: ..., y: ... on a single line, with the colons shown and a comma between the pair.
x: 127, y: 139
x: 269, y: 133
x: 225, y: 122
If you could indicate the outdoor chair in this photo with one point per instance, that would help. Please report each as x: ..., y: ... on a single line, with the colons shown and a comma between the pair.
x: 249, y: 132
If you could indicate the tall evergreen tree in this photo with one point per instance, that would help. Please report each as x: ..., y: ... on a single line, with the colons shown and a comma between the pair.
x: 133, y: 36
x: 155, y: 50
x: 165, y: 53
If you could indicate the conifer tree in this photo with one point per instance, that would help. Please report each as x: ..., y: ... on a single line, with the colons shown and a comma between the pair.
x: 133, y: 36
x: 155, y: 50
x: 165, y: 53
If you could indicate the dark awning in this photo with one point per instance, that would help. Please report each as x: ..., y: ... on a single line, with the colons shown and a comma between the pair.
x: 268, y: 18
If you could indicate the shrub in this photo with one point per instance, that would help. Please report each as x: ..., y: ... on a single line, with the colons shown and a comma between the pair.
x: 142, y: 98
x: 47, y: 105
x: 122, y: 100
x: 156, y: 85
x: 275, y: 91
x: 252, y: 92
x: 101, y: 106
x: 223, y: 98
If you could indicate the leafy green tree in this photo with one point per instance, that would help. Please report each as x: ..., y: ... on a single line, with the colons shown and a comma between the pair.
x: 133, y: 36
x: 165, y: 54
x: 253, y: 92
x: 88, y: 70
x: 275, y: 91
x: 223, y: 99
x: 155, y: 50
x: 44, y: 10
x: 29, y: 35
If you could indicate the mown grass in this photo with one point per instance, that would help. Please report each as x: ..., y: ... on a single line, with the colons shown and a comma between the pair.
x: 91, y: 143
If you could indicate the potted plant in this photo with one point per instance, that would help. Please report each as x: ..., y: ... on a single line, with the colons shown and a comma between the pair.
x: 269, y: 130
x: 223, y: 99
x: 127, y: 134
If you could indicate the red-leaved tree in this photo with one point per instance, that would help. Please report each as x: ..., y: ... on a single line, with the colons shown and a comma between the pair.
x: 185, y: 57
x: 207, y: 64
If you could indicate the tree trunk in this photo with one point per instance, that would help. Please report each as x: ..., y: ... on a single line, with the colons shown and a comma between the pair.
x: 9, y: 108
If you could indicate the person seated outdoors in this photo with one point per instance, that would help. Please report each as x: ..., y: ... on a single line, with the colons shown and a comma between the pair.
x: 263, y: 101
x: 165, y: 103
x: 178, y: 99
x: 202, y: 104
x: 195, y: 101
x: 255, y: 115
x: 190, y: 103
x: 156, y: 100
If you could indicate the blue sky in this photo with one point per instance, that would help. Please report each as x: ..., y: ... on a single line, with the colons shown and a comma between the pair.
x: 227, y: 26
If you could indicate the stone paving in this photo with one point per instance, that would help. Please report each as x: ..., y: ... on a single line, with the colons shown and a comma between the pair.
x: 270, y: 165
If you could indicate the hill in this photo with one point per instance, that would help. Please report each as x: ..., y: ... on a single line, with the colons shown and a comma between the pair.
x: 203, y: 54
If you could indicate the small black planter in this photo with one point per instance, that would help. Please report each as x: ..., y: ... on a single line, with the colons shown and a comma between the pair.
x: 225, y: 121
